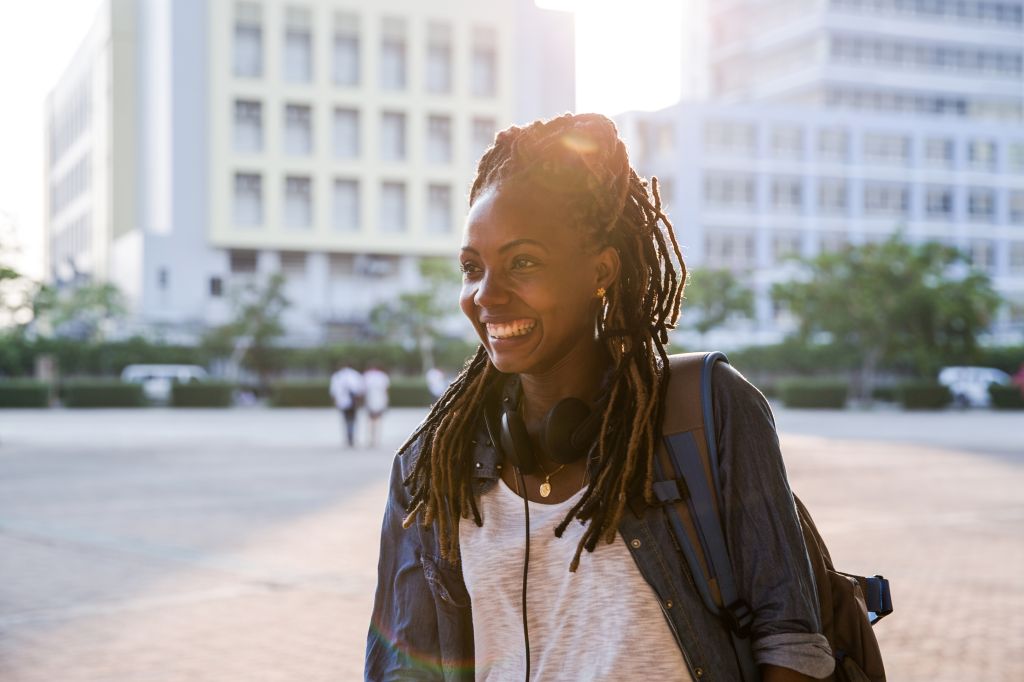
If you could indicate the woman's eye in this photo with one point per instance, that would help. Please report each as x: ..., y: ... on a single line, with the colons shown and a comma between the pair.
x: 520, y: 262
x: 468, y: 268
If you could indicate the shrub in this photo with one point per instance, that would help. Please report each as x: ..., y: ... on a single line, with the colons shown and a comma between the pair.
x: 923, y: 395
x: 24, y: 393
x: 410, y: 392
x: 889, y: 394
x: 101, y: 393
x: 815, y: 393
x: 300, y: 394
x: 1006, y: 397
x: 204, y: 394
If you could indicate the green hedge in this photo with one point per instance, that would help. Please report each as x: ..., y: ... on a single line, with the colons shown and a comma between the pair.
x: 204, y: 394
x: 24, y: 393
x: 814, y: 393
x: 409, y: 392
x: 1006, y: 397
x: 924, y: 395
x: 301, y: 394
x: 101, y: 393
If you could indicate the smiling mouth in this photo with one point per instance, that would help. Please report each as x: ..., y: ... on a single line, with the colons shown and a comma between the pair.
x: 509, y: 330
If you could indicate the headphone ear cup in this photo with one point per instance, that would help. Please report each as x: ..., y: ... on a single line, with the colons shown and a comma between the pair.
x: 515, y: 442
x: 562, y: 431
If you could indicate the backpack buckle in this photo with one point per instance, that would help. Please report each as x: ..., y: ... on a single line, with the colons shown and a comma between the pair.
x: 671, y: 491
x: 739, y: 617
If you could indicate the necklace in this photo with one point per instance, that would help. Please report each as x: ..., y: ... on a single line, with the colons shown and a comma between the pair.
x: 545, y: 487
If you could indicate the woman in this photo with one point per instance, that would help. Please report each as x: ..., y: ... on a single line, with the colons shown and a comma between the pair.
x: 572, y: 278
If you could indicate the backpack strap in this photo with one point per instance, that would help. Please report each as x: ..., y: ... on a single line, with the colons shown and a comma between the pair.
x: 686, y: 466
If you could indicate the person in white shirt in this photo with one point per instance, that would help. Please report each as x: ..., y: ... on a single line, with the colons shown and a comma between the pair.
x: 376, y: 383
x: 347, y: 389
x: 437, y: 384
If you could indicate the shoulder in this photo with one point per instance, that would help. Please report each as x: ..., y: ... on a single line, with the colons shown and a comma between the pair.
x: 734, y: 397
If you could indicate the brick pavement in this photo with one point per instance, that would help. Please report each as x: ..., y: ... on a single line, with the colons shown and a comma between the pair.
x: 242, y: 546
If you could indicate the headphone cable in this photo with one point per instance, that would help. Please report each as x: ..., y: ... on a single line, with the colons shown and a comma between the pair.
x: 526, y: 568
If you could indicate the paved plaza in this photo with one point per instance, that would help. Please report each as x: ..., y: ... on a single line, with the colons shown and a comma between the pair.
x: 205, y: 545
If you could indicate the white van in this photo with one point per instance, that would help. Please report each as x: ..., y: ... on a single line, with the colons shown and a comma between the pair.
x: 969, y: 385
x: 157, y: 380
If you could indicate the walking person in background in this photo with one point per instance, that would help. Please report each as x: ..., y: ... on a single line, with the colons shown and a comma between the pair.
x: 376, y: 383
x: 347, y: 390
x: 437, y: 384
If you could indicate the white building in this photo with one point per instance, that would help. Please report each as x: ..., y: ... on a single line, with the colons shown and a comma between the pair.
x: 841, y: 121
x: 194, y: 145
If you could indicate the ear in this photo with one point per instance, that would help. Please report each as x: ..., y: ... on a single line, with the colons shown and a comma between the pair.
x: 608, y: 265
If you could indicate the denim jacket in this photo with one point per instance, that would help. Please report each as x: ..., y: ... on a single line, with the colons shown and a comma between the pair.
x: 422, y: 622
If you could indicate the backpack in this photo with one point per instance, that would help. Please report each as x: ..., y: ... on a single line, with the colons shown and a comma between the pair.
x: 849, y: 605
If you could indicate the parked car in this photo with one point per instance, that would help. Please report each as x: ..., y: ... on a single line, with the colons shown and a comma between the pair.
x: 157, y: 380
x: 969, y: 385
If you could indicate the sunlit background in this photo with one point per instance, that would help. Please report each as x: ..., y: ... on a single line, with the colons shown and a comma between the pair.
x: 218, y: 203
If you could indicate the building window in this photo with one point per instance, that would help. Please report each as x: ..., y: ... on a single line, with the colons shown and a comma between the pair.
x: 981, y: 154
x: 346, y: 133
x: 298, y: 46
x: 983, y: 255
x: 787, y: 195
x: 392, y: 54
x: 832, y: 196
x: 439, y: 58
x: 393, y: 207
x: 298, y: 202
x: 886, y: 199
x: 731, y: 137
x: 392, y: 136
x: 726, y: 190
x: 242, y: 262
x: 1017, y: 258
x: 248, y: 202
x: 483, y: 135
x: 938, y: 202
x: 833, y: 145
x: 787, y: 142
x: 1017, y: 207
x: 439, y: 139
x: 730, y: 249
x: 346, y: 209
x: 981, y: 205
x: 886, y: 148
x: 216, y: 287
x: 484, y: 62
x: 248, y: 44
x: 439, y: 208
x: 298, y: 130
x: 786, y: 244
x: 293, y: 264
x: 1015, y: 157
x: 340, y: 265
x: 832, y: 242
x: 939, y: 152
x: 163, y: 277
x: 345, y: 54
x: 248, y: 126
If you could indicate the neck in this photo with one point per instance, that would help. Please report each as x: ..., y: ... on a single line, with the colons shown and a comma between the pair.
x: 577, y: 375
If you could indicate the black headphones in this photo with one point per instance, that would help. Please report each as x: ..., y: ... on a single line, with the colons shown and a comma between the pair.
x: 567, y: 433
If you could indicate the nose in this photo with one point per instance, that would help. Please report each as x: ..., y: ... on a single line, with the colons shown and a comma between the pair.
x: 490, y: 291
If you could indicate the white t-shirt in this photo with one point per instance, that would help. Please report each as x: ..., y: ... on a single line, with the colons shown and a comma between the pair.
x: 601, y: 623
x: 376, y: 383
x: 345, y: 383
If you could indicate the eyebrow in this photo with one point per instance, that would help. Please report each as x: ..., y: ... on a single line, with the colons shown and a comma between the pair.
x: 510, y: 245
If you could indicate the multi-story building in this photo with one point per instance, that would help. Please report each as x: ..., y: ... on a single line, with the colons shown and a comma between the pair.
x: 962, y: 58
x: 333, y: 141
x: 841, y: 121
x: 749, y: 187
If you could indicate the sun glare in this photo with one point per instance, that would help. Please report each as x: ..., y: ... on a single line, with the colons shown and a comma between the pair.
x: 628, y: 53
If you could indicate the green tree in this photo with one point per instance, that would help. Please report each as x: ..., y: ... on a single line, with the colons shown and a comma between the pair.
x: 249, y: 338
x: 892, y: 303
x: 712, y: 297
x: 84, y: 312
x: 417, y: 315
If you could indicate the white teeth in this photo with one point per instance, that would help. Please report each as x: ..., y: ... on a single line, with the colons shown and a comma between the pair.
x: 510, y: 329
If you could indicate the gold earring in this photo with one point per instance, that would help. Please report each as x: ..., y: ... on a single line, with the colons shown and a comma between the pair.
x: 600, y: 293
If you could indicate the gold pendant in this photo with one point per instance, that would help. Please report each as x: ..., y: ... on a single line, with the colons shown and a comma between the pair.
x: 545, y: 489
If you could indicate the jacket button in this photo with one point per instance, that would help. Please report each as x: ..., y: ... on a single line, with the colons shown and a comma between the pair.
x: 699, y: 672
x: 478, y: 465
x: 634, y: 543
x: 668, y: 604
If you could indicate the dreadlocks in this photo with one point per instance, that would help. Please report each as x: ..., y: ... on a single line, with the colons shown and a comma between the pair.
x: 580, y: 161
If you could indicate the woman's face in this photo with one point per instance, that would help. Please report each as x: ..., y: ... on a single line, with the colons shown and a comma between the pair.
x: 529, y: 281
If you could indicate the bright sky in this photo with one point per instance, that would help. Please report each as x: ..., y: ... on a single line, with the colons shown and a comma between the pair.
x: 627, y: 57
